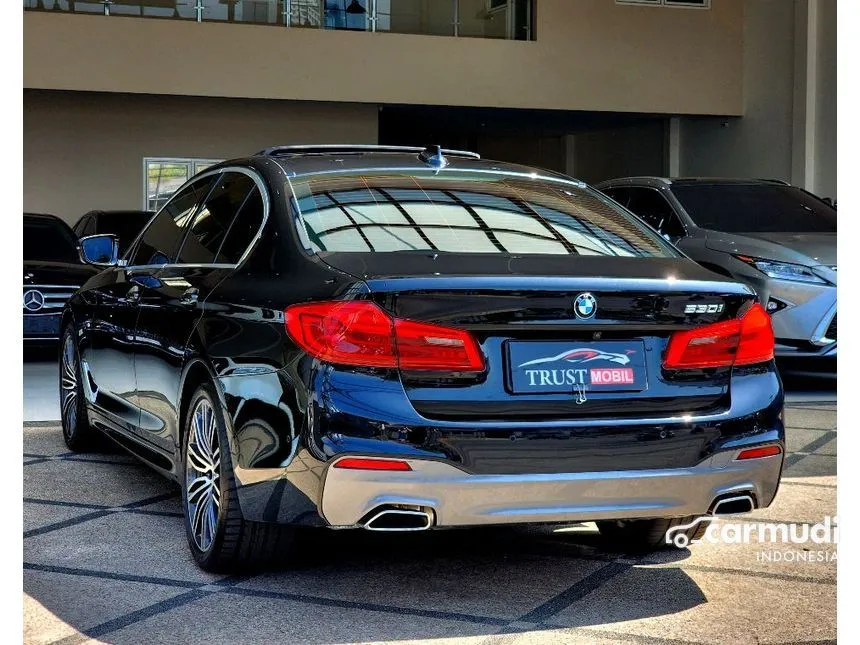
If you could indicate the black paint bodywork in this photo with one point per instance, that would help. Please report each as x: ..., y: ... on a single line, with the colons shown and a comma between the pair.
x: 288, y: 414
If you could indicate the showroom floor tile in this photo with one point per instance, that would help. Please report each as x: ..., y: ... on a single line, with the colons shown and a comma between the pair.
x: 105, y: 561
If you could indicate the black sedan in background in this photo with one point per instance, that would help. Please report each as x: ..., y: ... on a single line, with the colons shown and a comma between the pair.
x: 124, y: 224
x: 400, y: 339
x: 53, y: 271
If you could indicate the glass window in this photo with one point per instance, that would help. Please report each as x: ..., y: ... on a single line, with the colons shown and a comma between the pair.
x: 244, y: 229
x: 652, y: 207
x: 755, y: 208
x: 213, y: 219
x: 510, y: 19
x: 65, y: 5
x: 346, y: 14
x: 262, y: 12
x: 162, y: 237
x: 305, y: 13
x: 474, y: 213
x: 164, y: 175
x: 415, y: 17
x: 153, y: 9
x: 46, y: 238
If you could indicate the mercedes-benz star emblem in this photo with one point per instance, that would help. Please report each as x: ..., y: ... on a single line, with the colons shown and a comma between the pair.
x: 585, y: 306
x: 33, y: 300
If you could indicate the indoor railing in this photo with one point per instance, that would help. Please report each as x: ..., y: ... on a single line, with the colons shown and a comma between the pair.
x: 505, y: 19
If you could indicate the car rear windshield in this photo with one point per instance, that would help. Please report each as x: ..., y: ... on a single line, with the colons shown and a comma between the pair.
x: 755, y: 208
x: 457, y: 212
x: 47, y: 240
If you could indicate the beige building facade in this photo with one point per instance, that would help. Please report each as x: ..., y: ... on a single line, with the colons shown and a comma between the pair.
x: 593, y: 87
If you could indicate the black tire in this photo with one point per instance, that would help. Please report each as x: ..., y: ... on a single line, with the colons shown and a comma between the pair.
x: 77, y: 432
x: 235, y: 544
x: 644, y: 536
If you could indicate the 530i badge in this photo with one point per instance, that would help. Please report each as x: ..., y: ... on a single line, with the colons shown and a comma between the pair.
x: 399, y: 339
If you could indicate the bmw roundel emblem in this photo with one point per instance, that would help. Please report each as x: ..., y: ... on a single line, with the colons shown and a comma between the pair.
x: 585, y: 306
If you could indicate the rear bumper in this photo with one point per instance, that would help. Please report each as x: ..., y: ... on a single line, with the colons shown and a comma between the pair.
x: 457, y: 498
x: 484, y: 472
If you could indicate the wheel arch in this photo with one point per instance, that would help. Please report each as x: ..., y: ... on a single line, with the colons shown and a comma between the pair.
x: 195, y: 373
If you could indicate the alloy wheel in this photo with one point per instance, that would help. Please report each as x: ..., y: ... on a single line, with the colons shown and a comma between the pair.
x: 69, y: 385
x: 203, y: 475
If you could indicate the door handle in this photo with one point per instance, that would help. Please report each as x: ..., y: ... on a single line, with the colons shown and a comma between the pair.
x: 189, y: 296
x: 132, y: 296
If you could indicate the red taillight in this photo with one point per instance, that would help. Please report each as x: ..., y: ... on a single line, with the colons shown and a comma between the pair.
x: 360, y: 333
x: 359, y: 463
x: 742, y: 341
x: 758, y: 453
x: 430, y: 347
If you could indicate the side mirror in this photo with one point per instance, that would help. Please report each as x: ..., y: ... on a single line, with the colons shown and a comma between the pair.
x: 99, y: 250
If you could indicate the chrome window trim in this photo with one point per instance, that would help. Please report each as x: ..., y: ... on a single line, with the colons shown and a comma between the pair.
x: 261, y: 185
x: 411, y: 170
x: 52, y: 286
x: 173, y: 265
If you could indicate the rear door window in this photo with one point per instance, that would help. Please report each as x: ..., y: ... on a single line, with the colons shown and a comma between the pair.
x: 161, y: 239
x: 212, y: 223
x: 243, y: 230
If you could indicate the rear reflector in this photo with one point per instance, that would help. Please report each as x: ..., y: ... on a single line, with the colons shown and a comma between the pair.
x: 358, y: 463
x: 743, y: 341
x: 361, y: 333
x: 757, y: 453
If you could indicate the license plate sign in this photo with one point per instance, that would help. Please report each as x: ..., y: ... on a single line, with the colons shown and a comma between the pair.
x: 558, y: 367
x: 41, y: 325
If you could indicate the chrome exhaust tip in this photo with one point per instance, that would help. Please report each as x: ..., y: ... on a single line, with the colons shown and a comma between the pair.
x: 399, y: 519
x: 733, y: 505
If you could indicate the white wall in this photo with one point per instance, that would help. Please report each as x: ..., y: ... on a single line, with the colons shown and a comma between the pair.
x: 788, y: 130
x: 84, y: 151
x: 825, y: 115
x: 759, y: 143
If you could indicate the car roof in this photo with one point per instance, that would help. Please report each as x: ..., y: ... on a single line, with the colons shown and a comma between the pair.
x: 120, y: 212
x: 675, y: 181
x: 42, y: 216
x: 308, y: 160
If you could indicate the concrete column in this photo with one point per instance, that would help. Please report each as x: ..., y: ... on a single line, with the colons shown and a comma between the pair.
x: 805, y: 95
x: 570, y: 155
x: 673, y: 147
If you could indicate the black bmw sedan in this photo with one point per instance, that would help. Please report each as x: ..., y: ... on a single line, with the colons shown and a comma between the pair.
x: 399, y: 339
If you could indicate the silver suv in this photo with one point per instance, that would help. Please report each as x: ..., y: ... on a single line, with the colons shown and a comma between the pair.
x: 779, y: 239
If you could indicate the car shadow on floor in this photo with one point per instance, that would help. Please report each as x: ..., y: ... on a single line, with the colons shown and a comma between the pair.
x: 455, y: 583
